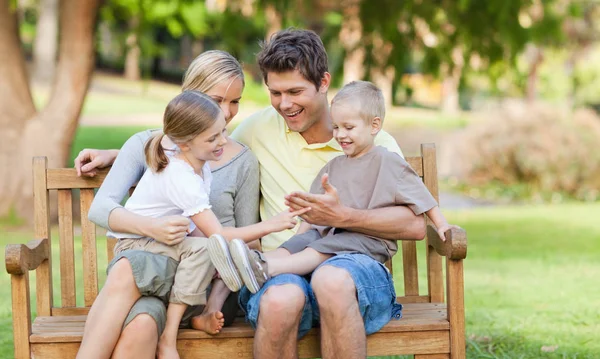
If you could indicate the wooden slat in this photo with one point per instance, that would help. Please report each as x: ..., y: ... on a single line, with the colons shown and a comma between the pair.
x: 21, y: 258
x: 88, y: 241
x: 435, y: 282
x: 456, y: 307
x: 41, y: 220
x: 416, y: 163
x: 432, y: 356
x: 67, y: 253
x: 66, y: 178
x: 70, y: 311
x: 21, y: 312
x: 111, y: 242
x: 413, y: 299
x: 411, y: 271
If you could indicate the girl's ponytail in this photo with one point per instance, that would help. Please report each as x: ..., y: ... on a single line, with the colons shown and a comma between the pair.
x: 156, y: 158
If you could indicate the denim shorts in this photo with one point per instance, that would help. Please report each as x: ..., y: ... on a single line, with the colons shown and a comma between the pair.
x: 374, y: 286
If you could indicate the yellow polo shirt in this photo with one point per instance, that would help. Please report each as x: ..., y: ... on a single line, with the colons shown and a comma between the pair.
x: 287, y: 163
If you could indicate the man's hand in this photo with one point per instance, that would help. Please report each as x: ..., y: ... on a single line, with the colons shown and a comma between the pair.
x: 89, y: 160
x: 169, y: 230
x: 325, y: 209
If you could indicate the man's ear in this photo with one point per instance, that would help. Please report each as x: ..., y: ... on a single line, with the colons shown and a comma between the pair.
x: 375, y: 125
x: 325, y: 82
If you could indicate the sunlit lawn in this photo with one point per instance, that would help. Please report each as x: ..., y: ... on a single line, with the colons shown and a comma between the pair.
x: 531, y: 281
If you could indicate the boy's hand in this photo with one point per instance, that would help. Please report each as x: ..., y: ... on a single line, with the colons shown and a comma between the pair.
x: 286, y: 219
x: 325, y: 208
x: 443, y: 228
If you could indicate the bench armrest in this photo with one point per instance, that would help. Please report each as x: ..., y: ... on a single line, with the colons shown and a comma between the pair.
x: 21, y: 258
x: 455, y: 246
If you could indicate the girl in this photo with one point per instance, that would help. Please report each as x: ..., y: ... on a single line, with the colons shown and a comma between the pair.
x: 178, y: 182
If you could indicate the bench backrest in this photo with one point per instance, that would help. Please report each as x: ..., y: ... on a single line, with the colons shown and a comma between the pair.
x: 80, y: 262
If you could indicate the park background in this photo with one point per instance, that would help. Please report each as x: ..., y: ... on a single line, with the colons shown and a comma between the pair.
x: 507, y: 89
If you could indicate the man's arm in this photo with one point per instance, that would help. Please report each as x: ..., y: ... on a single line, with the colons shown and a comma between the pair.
x: 393, y: 223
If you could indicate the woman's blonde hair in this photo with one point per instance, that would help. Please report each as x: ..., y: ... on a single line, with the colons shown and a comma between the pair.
x: 209, y: 69
x: 186, y: 116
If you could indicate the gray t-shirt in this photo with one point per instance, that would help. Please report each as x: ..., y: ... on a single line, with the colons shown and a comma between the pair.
x: 377, y: 179
x: 234, y: 192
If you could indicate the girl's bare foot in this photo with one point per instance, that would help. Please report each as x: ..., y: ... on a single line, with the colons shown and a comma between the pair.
x: 211, y: 323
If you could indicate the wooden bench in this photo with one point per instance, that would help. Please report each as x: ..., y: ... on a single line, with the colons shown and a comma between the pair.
x: 432, y: 327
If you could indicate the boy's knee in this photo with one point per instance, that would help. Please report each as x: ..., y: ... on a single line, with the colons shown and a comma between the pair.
x: 332, y: 284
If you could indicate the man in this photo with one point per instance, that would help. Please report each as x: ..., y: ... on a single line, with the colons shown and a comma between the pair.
x: 293, y: 140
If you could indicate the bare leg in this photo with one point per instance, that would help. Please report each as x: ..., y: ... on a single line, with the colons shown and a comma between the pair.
x: 104, y: 321
x: 277, y: 253
x: 342, y: 329
x: 278, y: 321
x: 138, y: 340
x: 167, y: 344
x: 300, y: 263
x: 211, y: 320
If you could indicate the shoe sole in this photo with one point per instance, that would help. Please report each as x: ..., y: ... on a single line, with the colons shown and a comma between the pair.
x: 239, y: 252
x: 218, y: 251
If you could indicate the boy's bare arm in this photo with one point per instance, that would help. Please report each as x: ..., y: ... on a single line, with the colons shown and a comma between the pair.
x: 440, y: 222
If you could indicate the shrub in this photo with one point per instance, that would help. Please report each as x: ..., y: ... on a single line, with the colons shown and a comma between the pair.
x: 549, y: 150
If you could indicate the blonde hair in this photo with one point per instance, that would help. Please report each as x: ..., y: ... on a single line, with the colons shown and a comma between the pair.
x: 366, y: 95
x: 209, y: 69
x: 186, y: 116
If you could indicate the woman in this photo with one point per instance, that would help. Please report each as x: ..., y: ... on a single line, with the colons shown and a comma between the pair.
x: 234, y: 197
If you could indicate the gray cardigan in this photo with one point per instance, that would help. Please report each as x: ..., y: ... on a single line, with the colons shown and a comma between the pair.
x: 234, y: 192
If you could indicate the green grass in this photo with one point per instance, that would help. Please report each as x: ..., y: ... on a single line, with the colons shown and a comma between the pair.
x: 531, y: 281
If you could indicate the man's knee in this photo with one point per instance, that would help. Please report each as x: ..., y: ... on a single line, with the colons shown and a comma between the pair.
x: 333, y: 285
x: 282, y: 302
x: 142, y: 328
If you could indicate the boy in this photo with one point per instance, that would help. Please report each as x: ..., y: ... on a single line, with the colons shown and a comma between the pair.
x: 367, y: 177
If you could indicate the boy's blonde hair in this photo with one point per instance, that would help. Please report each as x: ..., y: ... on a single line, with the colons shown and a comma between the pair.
x: 209, y: 69
x: 186, y: 116
x: 366, y: 95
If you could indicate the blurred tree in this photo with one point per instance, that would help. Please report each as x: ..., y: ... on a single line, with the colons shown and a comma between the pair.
x: 46, y: 40
x: 50, y: 131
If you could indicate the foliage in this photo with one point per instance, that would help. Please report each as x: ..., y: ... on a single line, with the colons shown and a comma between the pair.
x: 543, y: 148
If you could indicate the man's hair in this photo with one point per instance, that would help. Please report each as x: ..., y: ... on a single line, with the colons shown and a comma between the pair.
x: 291, y: 49
x: 366, y: 95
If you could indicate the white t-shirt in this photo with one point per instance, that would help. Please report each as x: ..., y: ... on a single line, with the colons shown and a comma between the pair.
x: 177, y: 190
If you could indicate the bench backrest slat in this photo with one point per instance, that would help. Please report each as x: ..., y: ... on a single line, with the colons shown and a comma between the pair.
x: 41, y: 220
x: 88, y: 243
x: 435, y: 281
x: 67, y: 251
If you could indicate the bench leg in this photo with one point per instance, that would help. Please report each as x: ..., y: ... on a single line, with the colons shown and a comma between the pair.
x: 432, y: 356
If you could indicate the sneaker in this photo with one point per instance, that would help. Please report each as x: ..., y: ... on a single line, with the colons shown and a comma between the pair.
x: 250, y: 264
x: 218, y: 250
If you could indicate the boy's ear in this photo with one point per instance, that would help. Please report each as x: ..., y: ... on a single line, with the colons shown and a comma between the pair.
x: 375, y: 125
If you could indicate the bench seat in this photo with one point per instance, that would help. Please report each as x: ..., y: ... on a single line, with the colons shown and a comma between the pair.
x: 60, y: 336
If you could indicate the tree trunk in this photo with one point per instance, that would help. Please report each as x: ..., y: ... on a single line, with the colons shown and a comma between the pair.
x: 46, y: 41
x: 381, y: 73
x: 274, y: 21
x: 50, y: 131
x: 133, y: 52
x: 350, y: 37
x: 452, y: 74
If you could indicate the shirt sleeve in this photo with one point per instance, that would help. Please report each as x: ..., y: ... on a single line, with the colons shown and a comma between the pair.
x: 386, y: 140
x: 247, y: 195
x: 185, y: 190
x: 411, y: 191
x: 128, y: 168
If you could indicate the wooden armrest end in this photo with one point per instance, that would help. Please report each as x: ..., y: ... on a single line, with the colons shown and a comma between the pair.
x: 455, y: 246
x: 21, y: 258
